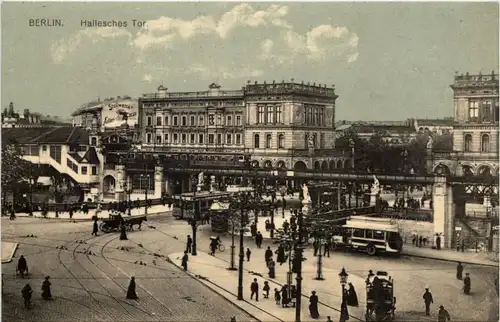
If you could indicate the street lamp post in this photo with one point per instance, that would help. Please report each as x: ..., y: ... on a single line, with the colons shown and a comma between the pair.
x: 298, y: 256
x: 343, y: 308
x: 243, y: 200
x: 146, y: 193
x: 194, y: 220
x: 128, y: 191
x: 319, y: 269
x: 232, y: 267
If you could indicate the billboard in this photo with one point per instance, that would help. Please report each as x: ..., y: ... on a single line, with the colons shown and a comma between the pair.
x: 117, y: 112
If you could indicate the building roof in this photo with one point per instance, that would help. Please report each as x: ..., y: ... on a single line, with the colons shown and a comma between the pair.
x: 373, y: 128
x: 435, y: 122
x: 48, y: 135
x: 91, y: 156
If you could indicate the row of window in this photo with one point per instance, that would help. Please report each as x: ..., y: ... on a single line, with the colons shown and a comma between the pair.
x: 192, y: 138
x: 268, y: 141
x: 196, y: 104
x: 269, y: 114
x: 213, y: 119
x: 84, y: 168
x: 314, y: 115
x: 485, y: 143
x: 484, y: 111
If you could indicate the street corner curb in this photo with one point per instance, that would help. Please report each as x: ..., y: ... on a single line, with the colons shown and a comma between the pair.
x: 11, y: 256
x: 492, y: 264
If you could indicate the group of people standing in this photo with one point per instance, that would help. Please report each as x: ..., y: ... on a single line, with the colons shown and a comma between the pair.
x: 27, y: 291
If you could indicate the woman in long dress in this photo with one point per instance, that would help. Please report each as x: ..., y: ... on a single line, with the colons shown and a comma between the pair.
x: 46, y: 293
x: 313, y: 305
x: 131, y: 294
x: 352, y: 297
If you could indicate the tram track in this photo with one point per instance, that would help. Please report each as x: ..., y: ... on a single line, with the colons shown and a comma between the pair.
x: 120, y: 302
x: 103, y: 309
x: 101, y: 251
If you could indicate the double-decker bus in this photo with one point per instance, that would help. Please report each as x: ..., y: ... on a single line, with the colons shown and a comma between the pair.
x: 371, y: 235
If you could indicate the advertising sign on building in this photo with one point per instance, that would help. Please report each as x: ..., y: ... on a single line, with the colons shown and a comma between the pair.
x: 118, y: 112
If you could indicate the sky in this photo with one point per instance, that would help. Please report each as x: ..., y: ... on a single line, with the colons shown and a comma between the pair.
x: 388, y: 61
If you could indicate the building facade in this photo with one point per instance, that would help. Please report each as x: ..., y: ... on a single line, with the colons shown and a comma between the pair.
x: 276, y: 125
x: 203, y: 122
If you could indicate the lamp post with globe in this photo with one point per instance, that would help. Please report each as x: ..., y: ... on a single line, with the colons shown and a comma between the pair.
x: 343, y: 276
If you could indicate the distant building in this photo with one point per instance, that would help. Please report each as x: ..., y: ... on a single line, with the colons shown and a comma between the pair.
x: 475, y: 127
x: 392, y: 132
x: 107, y: 114
x: 437, y: 126
x: 11, y: 118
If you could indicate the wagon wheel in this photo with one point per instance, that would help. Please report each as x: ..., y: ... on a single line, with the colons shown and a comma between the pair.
x: 104, y: 227
x: 334, y: 246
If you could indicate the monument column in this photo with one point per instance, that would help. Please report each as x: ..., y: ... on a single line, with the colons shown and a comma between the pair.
x: 120, y: 181
x: 158, y: 192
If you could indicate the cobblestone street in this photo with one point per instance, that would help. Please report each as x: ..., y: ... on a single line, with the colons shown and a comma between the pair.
x: 411, y: 276
x: 92, y: 286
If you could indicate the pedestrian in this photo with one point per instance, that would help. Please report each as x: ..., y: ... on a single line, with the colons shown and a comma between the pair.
x: 254, y: 289
x: 46, y: 294
x: 123, y: 232
x: 248, y: 253
x: 12, y: 213
x: 420, y: 240
x: 329, y: 319
x: 315, y: 247
x: 467, y: 284
x: 438, y: 242
x: 344, y: 313
x: 95, y: 227
x: 267, y: 225
x: 268, y: 255
x: 313, y: 305
x: 328, y: 245
x: 460, y: 270
x: 26, y: 293
x: 189, y: 243
x: 258, y: 239
x: 277, y: 296
x: 443, y: 315
x: 352, y: 297
x: 280, y: 252
x: 233, y: 318
x: 185, y: 261
x: 131, y: 294
x: 272, y: 268
x: 427, y: 301
x: 22, y: 266
x: 253, y: 229
x: 266, y: 289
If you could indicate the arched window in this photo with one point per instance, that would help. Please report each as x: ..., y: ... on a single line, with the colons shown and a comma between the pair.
x: 269, y: 139
x: 468, y: 143
x: 281, y: 141
x: 485, y: 143
x: 256, y: 141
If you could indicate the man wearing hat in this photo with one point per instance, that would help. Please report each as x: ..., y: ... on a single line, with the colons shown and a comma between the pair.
x: 467, y: 283
x: 443, y: 315
x: 427, y: 300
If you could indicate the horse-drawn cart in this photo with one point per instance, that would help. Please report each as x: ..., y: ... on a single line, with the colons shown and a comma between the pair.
x: 114, y: 221
x: 380, y: 300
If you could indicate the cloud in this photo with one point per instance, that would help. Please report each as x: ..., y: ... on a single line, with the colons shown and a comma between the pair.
x: 148, y: 78
x: 226, y: 46
x: 61, y: 49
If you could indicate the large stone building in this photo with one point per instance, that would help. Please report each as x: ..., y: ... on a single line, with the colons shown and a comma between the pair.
x: 475, y: 127
x: 277, y: 125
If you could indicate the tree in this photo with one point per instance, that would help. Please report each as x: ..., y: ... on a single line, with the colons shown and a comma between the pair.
x: 443, y: 142
x: 12, y: 169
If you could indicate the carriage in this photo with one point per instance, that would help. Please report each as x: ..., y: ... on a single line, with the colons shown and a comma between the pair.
x: 113, y: 222
x: 380, y: 300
